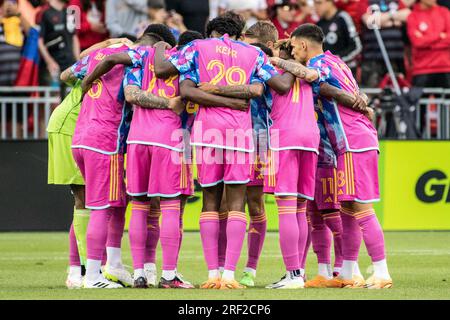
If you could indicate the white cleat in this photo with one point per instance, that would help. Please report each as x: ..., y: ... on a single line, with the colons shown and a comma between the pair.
x: 119, y: 275
x: 152, y: 277
x: 289, y: 281
x: 100, y: 283
x: 74, y: 282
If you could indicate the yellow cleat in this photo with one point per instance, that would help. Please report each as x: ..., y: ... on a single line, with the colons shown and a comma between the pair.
x: 376, y: 283
x: 358, y: 282
x: 318, y: 282
x: 233, y: 284
x: 211, y: 284
x: 339, y: 283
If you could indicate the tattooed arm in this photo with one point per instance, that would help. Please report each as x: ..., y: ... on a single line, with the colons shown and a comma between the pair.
x: 144, y: 99
x: 247, y: 91
x: 297, y: 69
x: 104, y: 44
x: 190, y: 92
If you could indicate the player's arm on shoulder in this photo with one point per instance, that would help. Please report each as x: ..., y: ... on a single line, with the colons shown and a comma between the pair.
x: 75, y: 72
x: 356, y: 102
x: 163, y: 67
x: 104, y: 44
x: 190, y: 92
x: 282, y: 83
x: 104, y: 67
x: 144, y: 99
x: 245, y: 91
x: 296, y: 68
x: 68, y: 77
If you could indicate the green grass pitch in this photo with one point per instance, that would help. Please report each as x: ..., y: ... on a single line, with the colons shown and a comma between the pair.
x: 33, y: 266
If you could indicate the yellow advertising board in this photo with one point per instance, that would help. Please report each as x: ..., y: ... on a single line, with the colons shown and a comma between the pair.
x: 415, y: 191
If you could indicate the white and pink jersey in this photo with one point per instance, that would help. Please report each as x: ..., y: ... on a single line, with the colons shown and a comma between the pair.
x: 102, y: 123
x: 222, y: 61
x: 291, y: 121
x: 154, y: 126
x: 348, y: 130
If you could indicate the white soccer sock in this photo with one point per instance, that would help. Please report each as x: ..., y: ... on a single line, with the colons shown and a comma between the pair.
x: 74, y: 271
x: 228, y: 275
x: 325, y: 270
x: 168, y: 274
x: 250, y: 270
x: 380, y: 270
x: 338, y: 269
x: 138, y: 273
x: 114, y: 256
x: 93, y: 269
x: 150, y: 266
x: 221, y: 269
x: 356, y: 271
x: 302, y: 272
x: 347, y: 270
x: 213, y: 274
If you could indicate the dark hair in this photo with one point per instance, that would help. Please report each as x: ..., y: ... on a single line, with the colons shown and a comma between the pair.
x: 128, y: 36
x: 309, y: 31
x: 188, y: 36
x: 223, y: 25
x: 264, y: 31
x: 87, y: 4
x: 236, y: 17
x: 160, y: 32
x: 264, y: 49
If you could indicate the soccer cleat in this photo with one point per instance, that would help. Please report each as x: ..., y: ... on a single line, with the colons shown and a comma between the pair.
x: 151, y: 276
x: 100, y: 283
x: 270, y: 286
x: 230, y: 284
x: 358, y: 282
x: 175, y: 283
x: 140, y: 283
x: 377, y: 283
x: 248, y: 279
x: 119, y: 275
x: 74, y: 282
x: 339, y: 283
x: 181, y: 278
x: 211, y: 284
x: 317, y: 282
x: 289, y: 281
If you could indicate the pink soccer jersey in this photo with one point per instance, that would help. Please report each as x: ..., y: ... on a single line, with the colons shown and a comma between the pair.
x: 101, y: 124
x: 347, y: 129
x: 154, y: 126
x: 292, y: 122
x: 223, y: 61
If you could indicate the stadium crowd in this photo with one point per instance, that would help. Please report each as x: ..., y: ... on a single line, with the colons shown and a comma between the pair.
x: 416, y: 33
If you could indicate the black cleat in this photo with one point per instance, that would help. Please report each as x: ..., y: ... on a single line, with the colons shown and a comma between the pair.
x: 175, y: 283
x: 140, y: 283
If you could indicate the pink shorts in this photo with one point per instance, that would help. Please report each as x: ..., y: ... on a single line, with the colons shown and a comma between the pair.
x: 103, y: 174
x: 157, y: 172
x: 357, y: 177
x: 325, y: 196
x: 216, y: 165
x: 291, y: 173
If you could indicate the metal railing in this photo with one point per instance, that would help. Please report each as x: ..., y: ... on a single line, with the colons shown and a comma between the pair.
x: 36, y: 104
x: 24, y: 111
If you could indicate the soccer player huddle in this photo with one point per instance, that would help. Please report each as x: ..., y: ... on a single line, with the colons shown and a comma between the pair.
x: 259, y: 116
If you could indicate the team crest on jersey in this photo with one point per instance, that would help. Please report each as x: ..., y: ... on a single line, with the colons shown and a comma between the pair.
x: 333, y: 27
x: 99, y: 56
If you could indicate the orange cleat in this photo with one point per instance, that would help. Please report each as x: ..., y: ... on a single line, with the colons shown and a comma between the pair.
x: 340, y: 283
x: 317, y: 282
x: 233, y: 284
x: 377, y: 283
x: 211, y: 284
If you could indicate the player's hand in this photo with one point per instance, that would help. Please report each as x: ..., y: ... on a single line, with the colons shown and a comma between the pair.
x: 163, y: 45
x: 239, y: 104
x: 274, y: 61
x: 176, y: 105
x: 369, y: 113
x: 208, y: 87
x: 360, y: 103
x: 124, y: 41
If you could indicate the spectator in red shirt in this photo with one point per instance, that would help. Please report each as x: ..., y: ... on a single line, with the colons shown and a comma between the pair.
x: 429, y: 32
x: 283, y: 15
x: 92, y: 27
x: 352, y: 7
